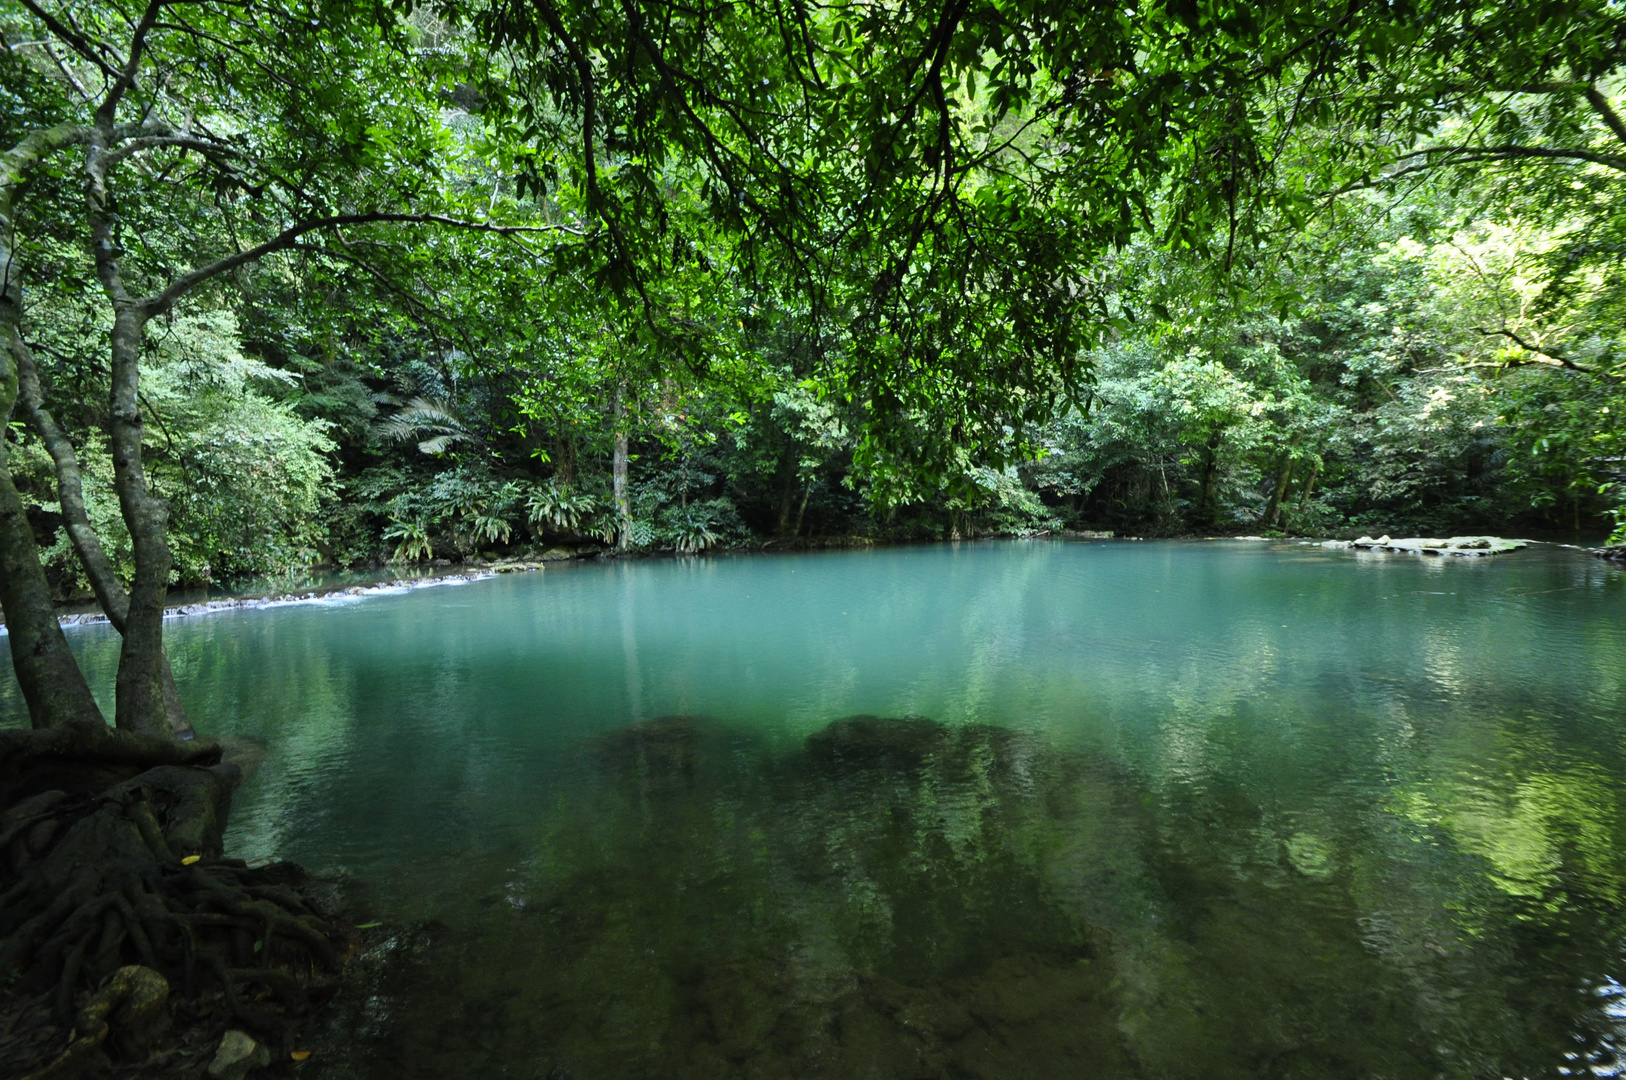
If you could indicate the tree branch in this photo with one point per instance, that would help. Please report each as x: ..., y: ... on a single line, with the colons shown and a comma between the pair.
x: 1542, y: 355
x: 1469, y: 155
x: 126, y: 78
x: 160, y: 302
x: 1473, y: 154
x: 1601, y: 106
x: 110, y: 592
x: 148, y: 142
x: 36, y: 145
x: 71, y: 38
x: 67, y: 74
x: 584, y: 73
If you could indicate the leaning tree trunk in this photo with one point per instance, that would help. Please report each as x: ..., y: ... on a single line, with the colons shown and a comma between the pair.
x: 1309, y: 485
x: 1283, y: 478
x: 801, y: 511
x: 104, y: 582
x: 51, y: 681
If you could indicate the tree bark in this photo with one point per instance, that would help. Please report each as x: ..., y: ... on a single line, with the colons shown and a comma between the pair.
x: 104, y: 582
x: 1283, y: 478
x: 111, y: 869
x: 787, y: 489
x: 801, y: 511
x: 618, y: 474
x: 1206, y: 509
x: 1309, y: 485
x: 140, y: 704
x: 52, y: 684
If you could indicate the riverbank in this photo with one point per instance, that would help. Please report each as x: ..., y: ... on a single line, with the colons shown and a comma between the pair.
x: 130, y: 940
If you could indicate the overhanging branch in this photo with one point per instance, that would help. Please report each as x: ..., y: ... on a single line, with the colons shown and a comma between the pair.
x: 74, y: 40
x: 1542, y: 356
x: 162, y: 301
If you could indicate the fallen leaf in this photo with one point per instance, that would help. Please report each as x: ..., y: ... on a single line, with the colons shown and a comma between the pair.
x: 190, y: 859
x: 300, y: 1055
x: 368, y: 925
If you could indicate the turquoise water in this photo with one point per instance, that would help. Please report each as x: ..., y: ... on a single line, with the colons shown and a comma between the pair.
x: 1015, y: 809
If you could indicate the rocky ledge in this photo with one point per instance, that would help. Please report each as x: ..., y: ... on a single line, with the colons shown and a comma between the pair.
x: 1428, y: 545
x: 1615, y: 552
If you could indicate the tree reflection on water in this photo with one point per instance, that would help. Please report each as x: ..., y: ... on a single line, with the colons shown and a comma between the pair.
x: 901, y: 898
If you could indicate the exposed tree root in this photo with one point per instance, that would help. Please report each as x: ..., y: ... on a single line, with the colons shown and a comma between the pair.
x: 113, y: 894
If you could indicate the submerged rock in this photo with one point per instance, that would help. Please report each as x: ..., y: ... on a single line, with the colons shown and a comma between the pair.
x: 666, y: 751
x: 1311, y: 856
x: 876, y: 742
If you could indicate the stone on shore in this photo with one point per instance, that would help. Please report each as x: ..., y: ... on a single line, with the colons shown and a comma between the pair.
x: 239, y: 1054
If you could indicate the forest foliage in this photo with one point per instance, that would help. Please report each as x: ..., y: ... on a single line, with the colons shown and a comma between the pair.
x: 889, y: 271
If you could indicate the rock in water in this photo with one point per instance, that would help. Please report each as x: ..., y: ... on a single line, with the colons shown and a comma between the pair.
x: 1311, y: 856
x: 867, y: 742
x: 1428, y: 545
x: 238, y: 1055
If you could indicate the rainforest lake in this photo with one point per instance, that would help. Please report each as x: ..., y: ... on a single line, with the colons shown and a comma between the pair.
x: 1011, y: 809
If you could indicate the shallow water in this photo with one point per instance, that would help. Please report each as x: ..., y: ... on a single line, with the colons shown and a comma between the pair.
x: 1135, y: 809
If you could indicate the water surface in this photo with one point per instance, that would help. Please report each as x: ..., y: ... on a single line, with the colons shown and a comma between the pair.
x: 989, y: 810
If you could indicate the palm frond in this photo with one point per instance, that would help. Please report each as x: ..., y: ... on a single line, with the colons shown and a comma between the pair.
x: 432, y: 422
